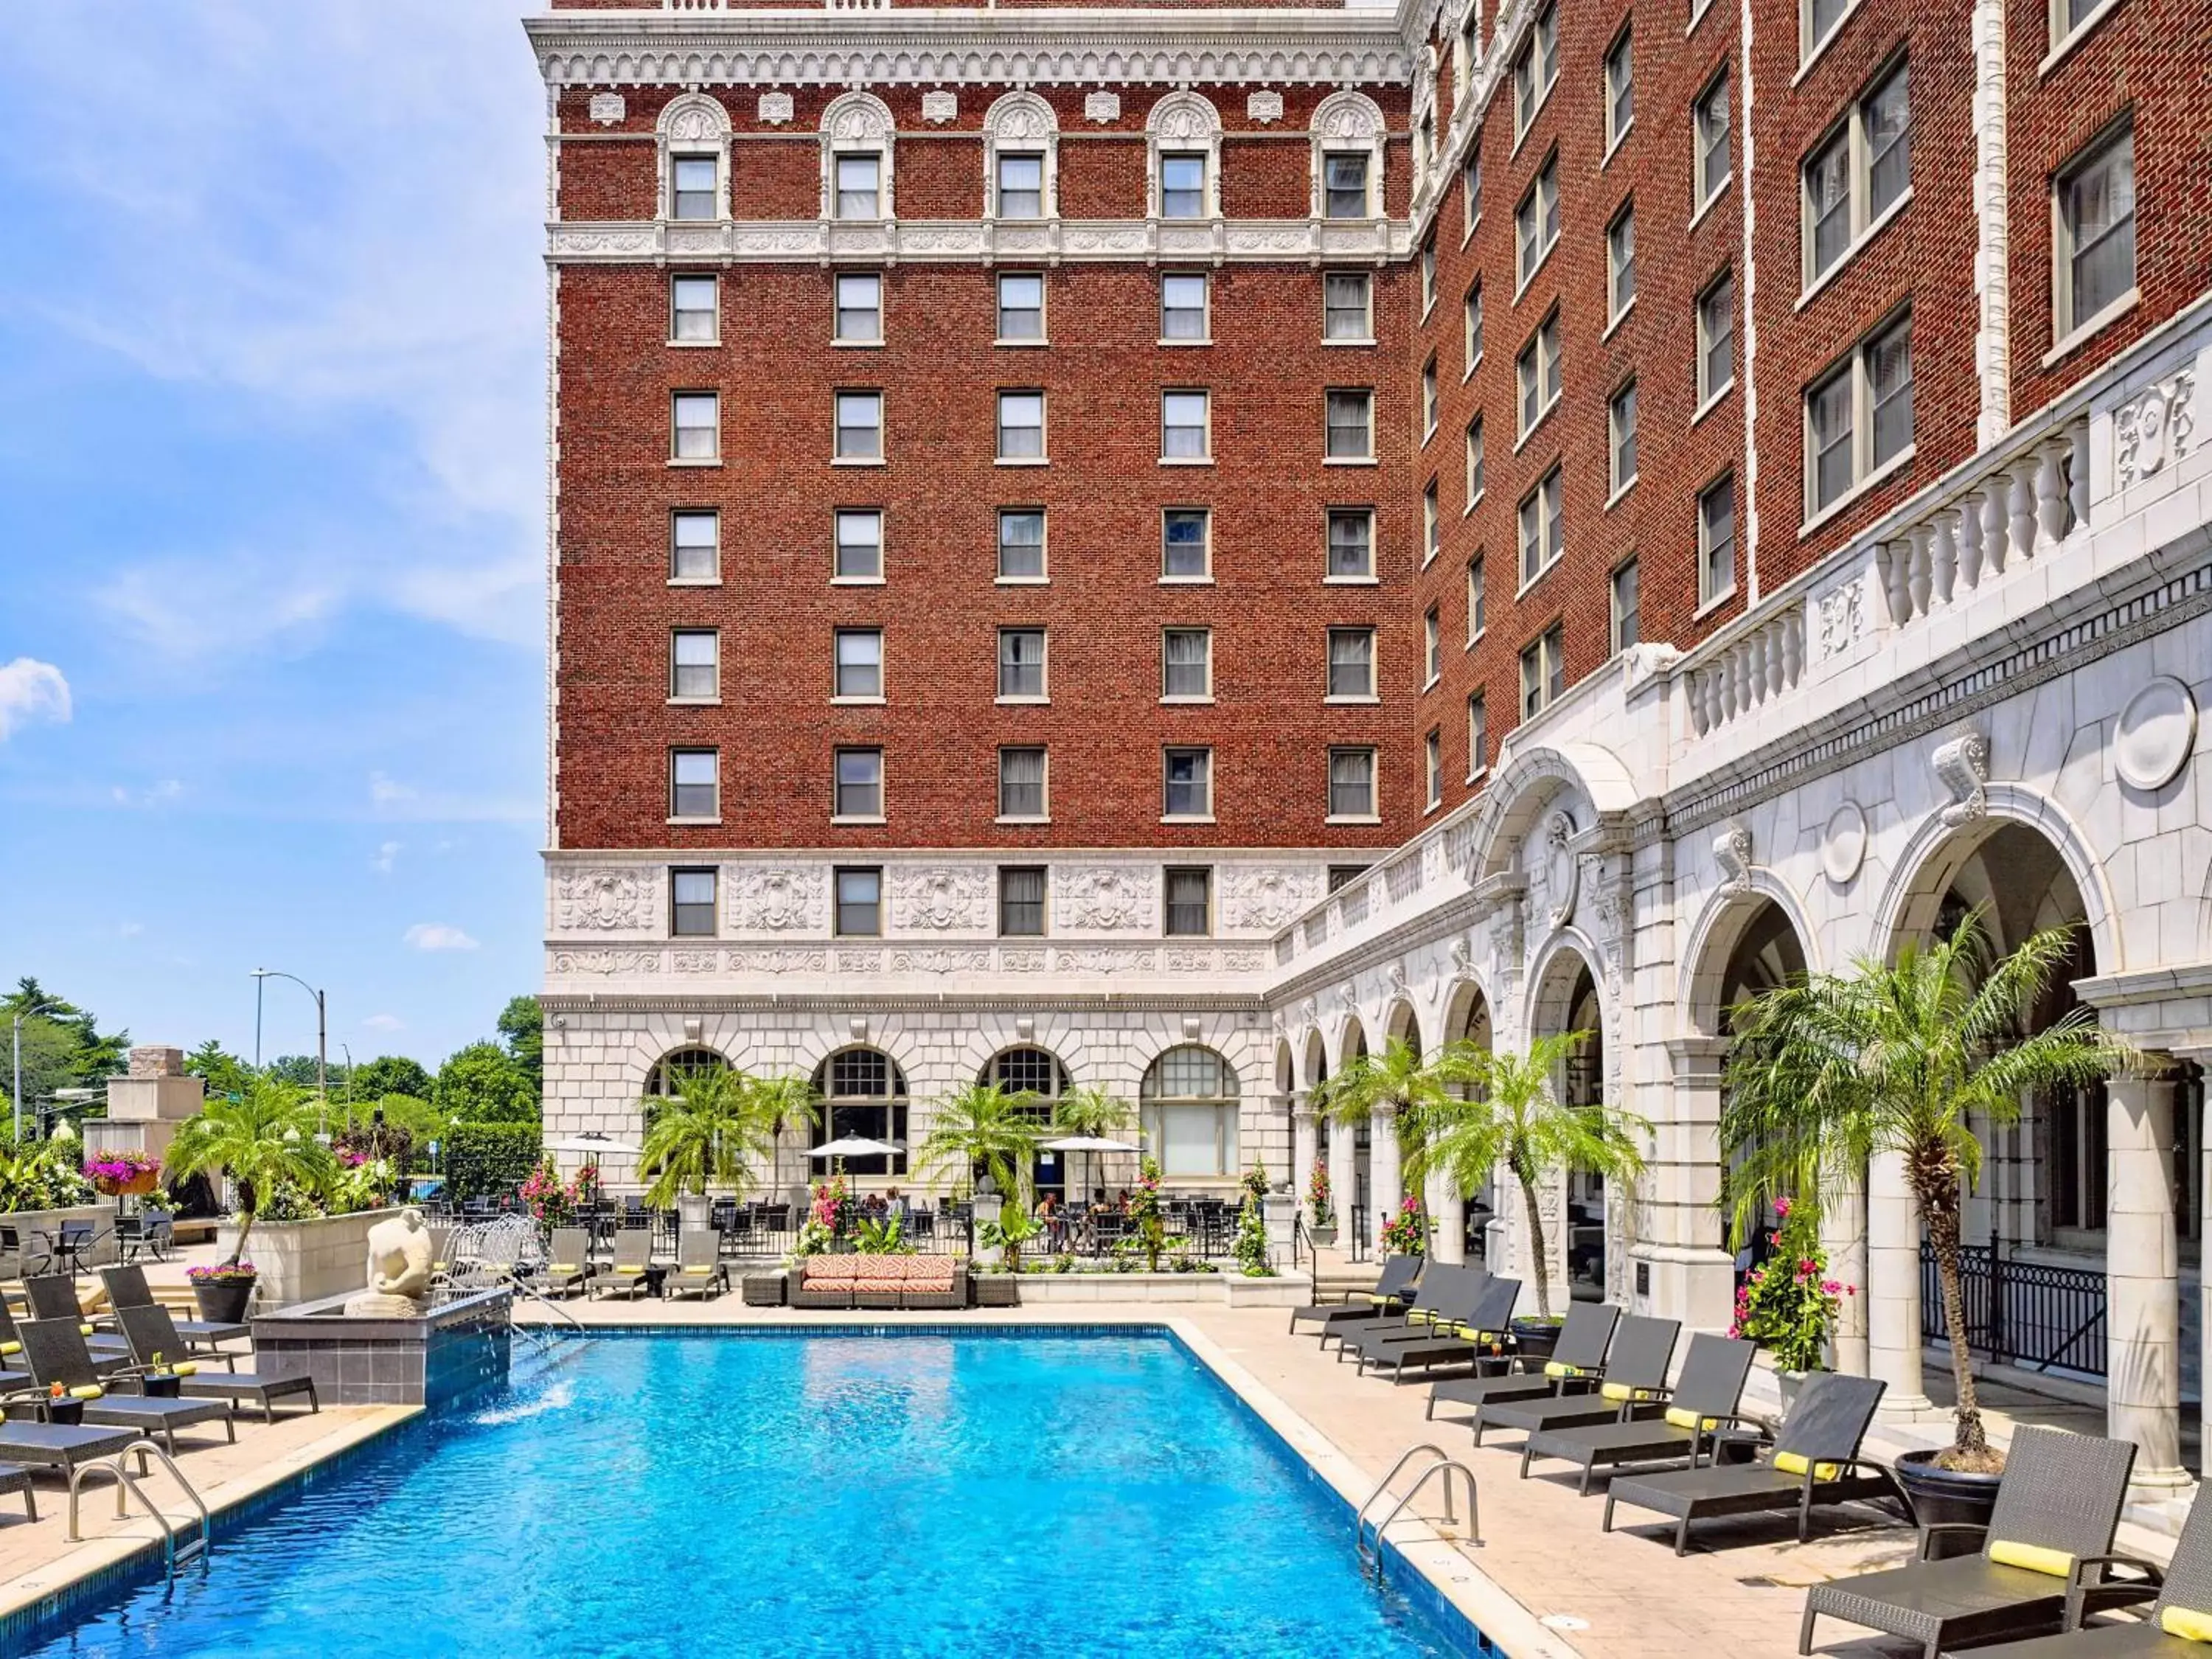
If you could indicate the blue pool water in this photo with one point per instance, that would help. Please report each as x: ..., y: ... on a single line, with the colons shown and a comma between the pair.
x: 904, y: 1497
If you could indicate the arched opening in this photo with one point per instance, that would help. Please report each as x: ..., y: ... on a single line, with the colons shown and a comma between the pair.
x: 1036, y: 1072
x: 1765, y: 955
x: 864, y: 1094
x: 669, y: 1071
x: 1467, y: 1021
x: 1568, y: 1000
x: 1189, y: 1105
x: 1363, y: 1142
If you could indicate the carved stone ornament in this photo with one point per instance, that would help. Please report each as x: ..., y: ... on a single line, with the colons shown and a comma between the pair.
x: 1021, y: 962
x: 938, y: 107
x: 2154, y: 429
x: 695, y: 119
x: 1102, y: 106
x: 858, y: 118
x: 1109, y: 898
x: 2153, y: 739
x: 1610, y: 912
x: 1963, y: 766
x: 1843, y: 844
x: 1101, y: 959
x: 1266, y: 898
x: 938, y: 898
x: 1244, y: 962
x: 695, y: 962
x: 1020, y: 117
x: 1184, y: 117
x: 774, y: 108
x: 1842, y: 617
x: 1553, y: 870
x: 1462, y: 958
x: 603, y: 901
x: 1732, y: 852
x: 860, y: 962
x: 781, y: 962
x: 1264, y: 106
x: 608, y: 108
x: 976, y: 961
x: 1347, y: 118
x: 606, y: 962
x: 776, y: 900
x: 1396, y: 980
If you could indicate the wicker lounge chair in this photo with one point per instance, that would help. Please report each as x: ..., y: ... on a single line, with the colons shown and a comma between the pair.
x: 1706, y: 1395
x: 54, y: 1351
x: 1447, y: 1296
x: 104, y: 1360
x: 633, y: 1256
x: 1469, y: 1341
x: 2041, y: 1566
x: 699, y: 1270
x: 1635, y: 1371
x: 150, y: 1331
x: 1815, y: 1464
x: 59, y: 1448
x: 568, y: 1263
x: 1393, y: 1289
x: 53, y: 1296
x: 127, y: 1288
x: 1576, y: 1364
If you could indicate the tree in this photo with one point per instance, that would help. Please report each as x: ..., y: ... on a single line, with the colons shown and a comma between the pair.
x: 985, y: 1127
x: 522, y: 1023
x: 719, y: 1126
x: 301, y: 1071
x: 224, y: 1072
x: 63, y: 1046
x: 263, y: 1139
x: 1826, y: 1073
x: 390, y: 1074
x: 481, y: 1084
x: 1090, y: 1110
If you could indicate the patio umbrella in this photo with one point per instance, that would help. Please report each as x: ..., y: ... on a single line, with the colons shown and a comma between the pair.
x: 855, y: 1146
x: 1086, y: 1143
x: 592, y: 1144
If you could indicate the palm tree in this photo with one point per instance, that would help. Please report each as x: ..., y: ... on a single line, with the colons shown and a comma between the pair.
x: 717, y: 1128
x: 264, y: 1138
x: 983, y: 1124
x: 791, y: 1101
x: 1825, y: 1074
x: 1485, y: 1109
x: 1397, y: 1077
x: 1088, y: 1109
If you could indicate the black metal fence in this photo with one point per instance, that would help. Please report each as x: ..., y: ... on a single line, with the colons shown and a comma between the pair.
x: 2034, y: 1314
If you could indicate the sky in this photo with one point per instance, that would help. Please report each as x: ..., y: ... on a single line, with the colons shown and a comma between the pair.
x: 272, y: 495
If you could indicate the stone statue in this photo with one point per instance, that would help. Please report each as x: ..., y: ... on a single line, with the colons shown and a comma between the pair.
x: 398, y: 1269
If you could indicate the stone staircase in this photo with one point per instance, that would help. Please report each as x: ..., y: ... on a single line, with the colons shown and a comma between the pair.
x: 1335, y: 1279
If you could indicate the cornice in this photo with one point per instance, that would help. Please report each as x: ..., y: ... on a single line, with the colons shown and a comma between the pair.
x: 923, y: 240
x: 572, y: 1002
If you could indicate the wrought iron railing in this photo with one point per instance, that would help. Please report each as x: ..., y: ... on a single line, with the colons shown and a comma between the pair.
x: 2035, y: 1313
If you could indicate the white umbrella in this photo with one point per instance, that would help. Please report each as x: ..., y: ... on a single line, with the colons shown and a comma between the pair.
x: 1087, y: 1144
x: 855, y: 1146
x: 591, y: 1143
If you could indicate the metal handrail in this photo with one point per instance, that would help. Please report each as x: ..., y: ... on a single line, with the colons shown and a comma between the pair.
x: 173, y: 1552
x: 1439, y: 1464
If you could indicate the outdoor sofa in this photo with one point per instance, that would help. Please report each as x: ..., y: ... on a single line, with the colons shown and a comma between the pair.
x: 856, y: 1281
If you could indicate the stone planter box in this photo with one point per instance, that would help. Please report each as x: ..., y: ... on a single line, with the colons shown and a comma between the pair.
x: 447, y: 1354
x: 307, y: 1260
x: 28, y: 1223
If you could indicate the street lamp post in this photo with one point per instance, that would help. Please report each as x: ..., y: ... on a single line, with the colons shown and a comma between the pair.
x: 15, y: 1093
x: 322, y: 1032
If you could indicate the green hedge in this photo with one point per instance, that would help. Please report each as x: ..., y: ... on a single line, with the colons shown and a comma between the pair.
x: 483, y: 1160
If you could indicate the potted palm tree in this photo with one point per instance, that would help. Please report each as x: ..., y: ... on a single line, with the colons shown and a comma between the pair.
x: 718, y: 1129
x: 984, y: 1129
x: 265, y: 1141
x: 1824, y: 1074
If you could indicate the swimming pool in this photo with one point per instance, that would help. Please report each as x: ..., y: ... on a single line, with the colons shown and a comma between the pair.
x: 871, y: 1495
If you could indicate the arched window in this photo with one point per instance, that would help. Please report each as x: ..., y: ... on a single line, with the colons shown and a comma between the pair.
x: 1188, y: 1104
x: 858, y: 137
x: 863, y: 1093
x: 669, y: 1071
x: 1027, y: 1071
x: 1348, y: 146
x: 1184, y: 163
x: 693, y: 138
x: 1021, y: 159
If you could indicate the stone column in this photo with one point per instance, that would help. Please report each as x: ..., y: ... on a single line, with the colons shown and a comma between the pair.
x: 1682, y: 1258
x: 2143, y: 1278
x: 1382, y: 1166
x: 1892, y: 1287
x: 1301, y: 1146
x: 1844, y: 1235
x: 1449, y: 1205
x: 1342, y: 1163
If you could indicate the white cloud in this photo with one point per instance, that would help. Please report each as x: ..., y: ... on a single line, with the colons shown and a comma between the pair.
x: 439, y: 936
x: 384, y: 790
x: 31, y: 690
x: 166, y: 793
x: 385, y: 1023
x: 131, y: 929
x: 387, y: 854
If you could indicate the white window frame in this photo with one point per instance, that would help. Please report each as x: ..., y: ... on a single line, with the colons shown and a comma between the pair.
x: 675, y: 518
x: 1432, y: 525
x: 1471, y: 329
x: 1707, y: 185
x: 1205, y: 335
x: 859, y: 124
x: 838, y: 694
x: 1021, y: 123
x: 837, y: 307
x: 999, y: 428
x: 1709, y: 393
x: 1535, y: 71
x: 1430, y: 405
x: 1477, y: 598
x: 1428, y: 269
x: 1470, y: 189
x: 1205, y: 516
x: 1346, y: 123
x: 1168, y: 751
x: 1043, y: 693
x: 692, y: 127
x: 1205, y: 456
x: 1000, y: 309
x: 1043, y: 814
x: 1367, y: 395
x: 714, y: 283
x: 837, y: 545
x: 1360, y: 631
x: 677, y: 753
x: 1478, y: 735
x: 1366, y: 335
x: 1629, y: 570
x: 999, y: 548
x: 1620, y: 82
x: 676, y: 399
x: 837, y: 427
x: 1536, y: 224
x: 1548, y: 542
x: 1620, y: 266
x: 1547, y: 655
x: 677, y: 636
x: 1618, y: 483
x: 1183, y: 123
x: 1855, y: 368
x: 1862, y: 217
x: 1432, y: 646
x: 1362, y: 578
x: 837, y: 784
x: 1711, y: 593
x: 1352, y: 752
x: 1432, y: 765
x: 2066, y: 329
x: 1812, y: 38
x: 1478, y: 465
x: 1538, y: 369
x: 1206, y: 634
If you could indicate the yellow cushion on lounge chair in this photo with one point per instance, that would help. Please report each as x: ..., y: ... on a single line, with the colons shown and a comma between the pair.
x: 188, y: 1368
x: 84, y: 1328
x: 2036, y: 1558
x: 1794, y: 1463
x: 90, y: 1391
x: 1558, y: 1367
x: 698, y: 1270
x: 1682, y: 1419
x: 1468, y: 1333
x: 1621, y: 1393
x: 562, y: 1268
x: 2187, y: 1624
x: 11, y: 1348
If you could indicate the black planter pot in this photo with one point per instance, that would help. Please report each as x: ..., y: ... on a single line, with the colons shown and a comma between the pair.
x: 162, y: 1385
x: 1942, y: 1497
x: 1535, y: 1339
x: 67, y: 1412
x: 223, y: 1301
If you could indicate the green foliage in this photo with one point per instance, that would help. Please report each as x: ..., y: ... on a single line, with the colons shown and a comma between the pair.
x: 987, y: 1128
x: 718, y: 1126
x: 40, y: 1174
x: 1250, y: 1248
x: 389, y: 1074
x: 522, y: 1024
x: 1151, y: 1228
x: 224, y: 1071
x: 1014, y: 1228
x: 881, y: 1236
x: 483, y: 1160
x: 481, y: 1084
x: 263, y: 1141
x: 1088, y: 1109
x: 299, y: 1070
x: 1789, y: 1306
x: 63, y: 1047
x: 285, y: 1202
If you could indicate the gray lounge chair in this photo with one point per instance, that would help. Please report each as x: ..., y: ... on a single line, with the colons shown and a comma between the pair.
x: 699, y: 1268
x: 1706, y: 1396
x: 150, y: 1331
x: 1467, y: 1342
x: 54, y: 1351
x: 568, y: 1263
x: 1576, y: 1363
x: 127, y: 1288
x: 1815, y: 1464
x: 633, y: 1256
x: 60, y: 1449
x: 104, y: 1360
x: 1393, y: 1287
x: 2060, y: 1499
x: 1456, y: 1292
x: 53, y: 1296
x: 1437, y: 1282
x: 1636, y: 1368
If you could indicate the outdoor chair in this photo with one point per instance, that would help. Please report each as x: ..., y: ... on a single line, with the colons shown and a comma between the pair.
x: 1635, y: 1371
x: 1392, y: 1288
x: 1815, y: 1464
x: 127, y: 1288
x: 633, y: 1256
x: 150, y: 1332
x: 1443, y: 1293
x: 2041, y: 1566
x: 59, y: 1448
x: 1706, y: 1395
x: 1576, y: 1364
x: 54, y: 1351
x: 1468, y: 1342
x: 53, y: 1296
x: 569, y: 1264
x: 148, y: 1233
x: 441, y: 1249
x: 699, y: 1269
x: 11, y: 1354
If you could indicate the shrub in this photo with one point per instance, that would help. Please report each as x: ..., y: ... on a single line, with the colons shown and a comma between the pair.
x: 483, y: 1160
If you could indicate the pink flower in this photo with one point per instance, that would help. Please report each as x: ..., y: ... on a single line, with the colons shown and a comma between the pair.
x: 1782, y: 1209
x: 1734, y: 1331
x: 1831, y: 1286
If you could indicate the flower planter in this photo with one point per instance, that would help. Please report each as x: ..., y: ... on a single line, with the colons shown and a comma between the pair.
x: 1941, y: 1497
x: 1535, y: 1339
x: 223, y: 1301
x: 305, y: 1261
x: 1792, y: 1384
x: 137, y: 1187
x: 1321, y: 1234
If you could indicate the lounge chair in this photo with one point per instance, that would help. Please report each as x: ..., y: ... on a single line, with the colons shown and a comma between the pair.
x: 104, y: 1360
x: 2041, y: 1565
x: 59, y: 1448
x: 699, y: 1271
x: 633, y: 1256
x: 1815, y: 1463
x: 1635, y: 1371
x: 127, y: 1288
x: 54, y: 1351
x: 53, y: 1296
x: 1482, y: 1334
x: 568, y: 1266
x: 1393, y: 1289
x: 150, y: 1331
x: 1447, y: 1296
x: 1706, y: 1396
x: 1576, y: 1363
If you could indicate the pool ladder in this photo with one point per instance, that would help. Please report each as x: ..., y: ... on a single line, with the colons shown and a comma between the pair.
x: 176, y: 1551
x: 1440, y: 1467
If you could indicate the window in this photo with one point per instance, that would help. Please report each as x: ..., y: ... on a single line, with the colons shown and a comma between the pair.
x: 1182, y: 306
x: 1716, y: 540
x: 1536, y: 223
x: 1188, y: 778
x: 1352, y: 543
x: 694, y: 310
x: 1535, y: 70
x: 695, y: 665
x: 860, y: 783
x: 697, y: 417
x: 691, y: 904
x: 1538, y: 369
x: 1352, y: 783
x: 1189, y: 907
x: 860, y: 903
x: 864, y: 1094
x: 1185, y: 552
x: 1428, y: 276
x: 1021, y: 426
x: 2066, y: 17
x: 697, y: 182
x: 1471, y: 327
x: 1620, y: 264
x: 1857, y: 173
x: 1540, y: 528
x: 859, y: 553
x: 1021, y: 544
x: 1432, y: 768
x: 1345, y: 300
x: 1021, y: 186
x: 1021, y: 783
x: 1432, y: 647
x: 1716, y: 339
x: 1478, y: 736
x: 1475, y: 461
x: 1351, y: 426
x: 2095, y: 264
x: 859, y: 187
x: 695, y: 788
x: 1021, y: 663
x: 1712, y: 140
x: 1619, y: 90
x: 1543, y: 672
x: 1187, y: 1103
x: 859, y: 426
x: 1341, y: 876
x: 1352, y: 664
x: 1182, y: 186
x: 1021, y: 900
x: 1816, y: 22
x: 1620, y: 423
x: 1625, y: 623
x: 1343, y: 185
x: 1470, y: 184
x: 1431, y: 524
x: 1187, y: 665
x: 1428, y: 400
x: 1858, y: 417
x: 860, y: 663
x: 1478, y: 600
x: 695, y: 545
x: 1183, y: 421
x: 1021, y: 306
x: 860, y: 309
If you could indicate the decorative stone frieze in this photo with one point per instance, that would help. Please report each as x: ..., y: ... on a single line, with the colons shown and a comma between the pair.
x: 776, y: 899
x: 1732, y: 852
x: 2154, y: 429
x: 1109, y: 898
x: 618, y: 900
x: 1266, y: 897
x: 941, y: 899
